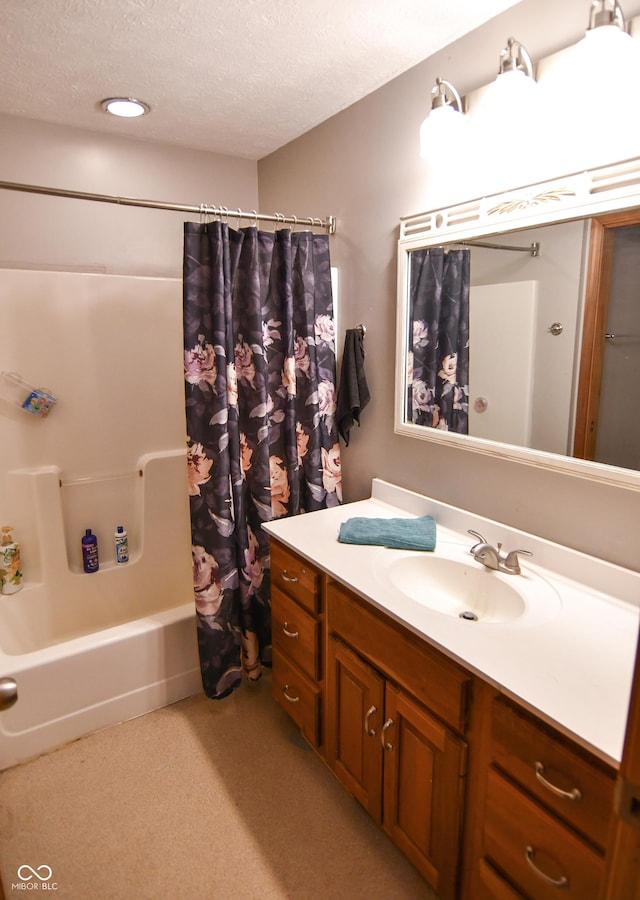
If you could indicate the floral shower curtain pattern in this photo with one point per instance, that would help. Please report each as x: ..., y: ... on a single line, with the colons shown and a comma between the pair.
x: 260, y: 391
x: 438, y: 358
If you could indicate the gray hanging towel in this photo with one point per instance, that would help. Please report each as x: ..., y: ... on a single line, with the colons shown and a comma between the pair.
x: 353, y: 391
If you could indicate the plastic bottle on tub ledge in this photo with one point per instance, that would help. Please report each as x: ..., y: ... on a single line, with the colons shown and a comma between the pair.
x: 10, y: 569
x: 122, y: 545
x: 90, y: 561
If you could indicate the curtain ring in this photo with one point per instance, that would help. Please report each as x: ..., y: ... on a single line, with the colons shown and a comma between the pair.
x: 224, y: 214
x: 239, y: 214
x: 295, y: 222
x: 255, y: 218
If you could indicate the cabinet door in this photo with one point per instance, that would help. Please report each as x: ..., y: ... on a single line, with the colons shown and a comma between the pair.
x: 424, y: 769
x: 355, y: 697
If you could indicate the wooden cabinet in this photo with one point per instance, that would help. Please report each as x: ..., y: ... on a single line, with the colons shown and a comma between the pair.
x: 403, y: 764
x: 394, y: 719
x: 296, y: 625
x: 547, y: 812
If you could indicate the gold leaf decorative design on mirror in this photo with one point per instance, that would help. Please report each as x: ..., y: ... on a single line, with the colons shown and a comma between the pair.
x: 540, y: 324
x: 527, y: 202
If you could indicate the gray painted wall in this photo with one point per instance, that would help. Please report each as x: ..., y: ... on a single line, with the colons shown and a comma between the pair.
x: 363, y: 166
x: 54, y: 233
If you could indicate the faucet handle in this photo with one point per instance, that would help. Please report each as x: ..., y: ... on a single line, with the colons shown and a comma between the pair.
x: 480, y: 540
x: 512, y: 562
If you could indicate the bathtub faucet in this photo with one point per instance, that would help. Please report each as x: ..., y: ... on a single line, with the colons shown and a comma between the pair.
x: 492, y: 557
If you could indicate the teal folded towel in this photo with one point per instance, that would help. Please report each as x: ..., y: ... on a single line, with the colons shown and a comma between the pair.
x: 402, y: 534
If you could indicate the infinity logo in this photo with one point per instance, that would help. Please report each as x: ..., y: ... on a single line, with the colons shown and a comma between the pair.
x: 35, y: 872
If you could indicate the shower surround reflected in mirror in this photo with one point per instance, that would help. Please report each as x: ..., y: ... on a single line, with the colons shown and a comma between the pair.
x: 554, y: 333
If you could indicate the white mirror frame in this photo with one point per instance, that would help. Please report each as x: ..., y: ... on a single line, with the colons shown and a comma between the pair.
x: 582, y: 195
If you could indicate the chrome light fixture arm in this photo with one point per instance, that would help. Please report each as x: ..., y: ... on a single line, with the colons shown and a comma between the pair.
x: 445, y: 94
x: 606, y: 12
x: 514, y: 58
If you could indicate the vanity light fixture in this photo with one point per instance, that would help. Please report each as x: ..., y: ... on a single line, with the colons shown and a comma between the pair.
x: 508, y: 115
x: 607, y: 35
x: 446, y: 121
x: 600, y: 73
x: 126, y: 107
x: 515, y: 84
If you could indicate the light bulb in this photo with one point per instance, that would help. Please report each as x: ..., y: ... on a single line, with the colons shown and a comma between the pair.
x: 441, y: 131
x: 126, y: 107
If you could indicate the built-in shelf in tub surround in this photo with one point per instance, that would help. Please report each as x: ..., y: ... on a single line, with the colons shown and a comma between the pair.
x: 573, y: 670
x: 60, y: 602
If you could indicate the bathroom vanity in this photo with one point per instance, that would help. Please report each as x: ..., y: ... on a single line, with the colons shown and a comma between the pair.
x: 487, y: 748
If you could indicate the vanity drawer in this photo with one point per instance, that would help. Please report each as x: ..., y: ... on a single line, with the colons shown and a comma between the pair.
x: 577, y: 787
x: 423, y: 671
x: 299, y: 697
x: 295, y: 576
x: 295, y: 633
x: 539, y: 854
x: 492, y: 886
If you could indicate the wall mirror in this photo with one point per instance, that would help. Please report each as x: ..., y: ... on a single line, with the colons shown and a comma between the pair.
x: 518, y: 327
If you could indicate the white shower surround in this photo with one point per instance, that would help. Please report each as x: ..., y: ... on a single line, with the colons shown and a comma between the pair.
x: 90, y: 650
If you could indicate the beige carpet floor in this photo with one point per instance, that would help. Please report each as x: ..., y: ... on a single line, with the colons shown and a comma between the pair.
x: 201, y: 800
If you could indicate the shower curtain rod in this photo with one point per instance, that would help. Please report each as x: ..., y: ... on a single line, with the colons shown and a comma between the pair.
x: 533, y: 248
x: 329, y: 224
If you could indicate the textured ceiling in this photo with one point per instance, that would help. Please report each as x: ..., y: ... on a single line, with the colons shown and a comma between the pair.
x: 241, y: 77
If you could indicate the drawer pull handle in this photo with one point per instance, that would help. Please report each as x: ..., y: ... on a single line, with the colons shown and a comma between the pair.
x: 292, y: 579
x: 385, y: 744
x: 291, y: 634
x: 573, y: 794
x: 370, y: 732
x: 529, y: 853
x: 288, y: 697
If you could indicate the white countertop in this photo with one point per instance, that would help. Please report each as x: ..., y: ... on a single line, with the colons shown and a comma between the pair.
x: 574, y: 670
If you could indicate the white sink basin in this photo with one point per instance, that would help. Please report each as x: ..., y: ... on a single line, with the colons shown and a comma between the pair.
x: 450, y: 582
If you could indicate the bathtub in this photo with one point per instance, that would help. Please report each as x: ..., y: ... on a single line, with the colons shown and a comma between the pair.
x: 73, y: 688
x: 91, y: 650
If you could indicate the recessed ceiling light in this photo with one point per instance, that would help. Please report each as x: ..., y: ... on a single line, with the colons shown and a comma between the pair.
x: 125, y: 106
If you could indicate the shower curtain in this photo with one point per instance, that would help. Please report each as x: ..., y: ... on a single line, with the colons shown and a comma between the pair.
x: 260, y: 375
x: 438, y: 339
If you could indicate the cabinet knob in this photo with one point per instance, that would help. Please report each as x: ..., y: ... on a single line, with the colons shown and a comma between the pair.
x: 290, y: 634
x: 385, y: 744
x: 573, y: 794
x: 529, y: 853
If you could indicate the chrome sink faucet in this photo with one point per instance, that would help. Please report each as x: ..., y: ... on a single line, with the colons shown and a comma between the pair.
x: 492, y: 558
